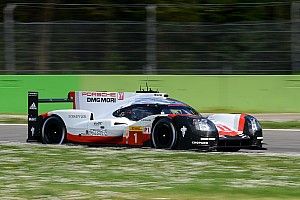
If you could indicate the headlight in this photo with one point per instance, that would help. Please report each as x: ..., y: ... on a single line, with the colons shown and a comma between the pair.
x: 201, y: 125
x: 254, y: 125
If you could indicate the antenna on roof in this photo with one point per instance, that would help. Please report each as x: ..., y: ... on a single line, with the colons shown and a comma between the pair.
x: 148, y: 89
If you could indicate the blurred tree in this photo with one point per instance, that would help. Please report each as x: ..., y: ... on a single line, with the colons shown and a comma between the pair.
x: 46, y: 43
x: 184, y: 10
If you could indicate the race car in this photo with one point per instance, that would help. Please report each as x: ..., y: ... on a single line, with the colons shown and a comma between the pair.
x: 138, y: 119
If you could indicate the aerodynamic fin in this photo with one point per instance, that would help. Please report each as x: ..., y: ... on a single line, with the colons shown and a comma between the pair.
x: 32, y: 116
x: 33, y: 112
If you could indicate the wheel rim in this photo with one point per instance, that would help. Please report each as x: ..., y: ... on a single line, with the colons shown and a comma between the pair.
x: 163, y: 136
x: 53, y: 132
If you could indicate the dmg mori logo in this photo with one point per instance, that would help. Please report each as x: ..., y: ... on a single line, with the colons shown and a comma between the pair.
x: 101, y: 100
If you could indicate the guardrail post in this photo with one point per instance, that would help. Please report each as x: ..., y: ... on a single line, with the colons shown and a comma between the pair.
x: 295, y: 36
x: 9, y: 39
x: 151, y: 39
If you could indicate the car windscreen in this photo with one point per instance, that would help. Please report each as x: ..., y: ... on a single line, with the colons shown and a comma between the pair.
x: 185, y: 110
x: 137, y: 112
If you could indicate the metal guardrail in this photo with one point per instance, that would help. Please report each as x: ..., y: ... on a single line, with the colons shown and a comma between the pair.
x: 151, y: 46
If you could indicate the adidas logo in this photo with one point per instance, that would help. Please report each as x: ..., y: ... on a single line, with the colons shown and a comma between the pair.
x: 33, y: 106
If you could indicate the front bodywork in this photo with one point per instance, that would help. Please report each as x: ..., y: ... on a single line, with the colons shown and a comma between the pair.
x: 238, y: 131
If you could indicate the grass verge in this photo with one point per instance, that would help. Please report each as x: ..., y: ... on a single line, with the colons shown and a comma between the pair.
x: 69, y: 172
x: 13, y: 120
x: 281, y: 125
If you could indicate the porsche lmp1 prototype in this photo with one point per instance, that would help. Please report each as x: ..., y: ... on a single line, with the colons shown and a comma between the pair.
x: 139, y: 119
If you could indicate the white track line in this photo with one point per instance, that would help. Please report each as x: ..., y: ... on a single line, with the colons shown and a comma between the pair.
x: 291, y: 130
x: 13, y: 124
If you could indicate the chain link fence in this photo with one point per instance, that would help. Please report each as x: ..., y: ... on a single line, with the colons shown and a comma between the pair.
x: 269, y: 46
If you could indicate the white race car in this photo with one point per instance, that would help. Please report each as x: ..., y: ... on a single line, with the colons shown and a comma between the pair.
x: 139, y: 119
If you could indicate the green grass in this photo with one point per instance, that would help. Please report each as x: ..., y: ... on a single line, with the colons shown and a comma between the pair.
x: 227, y: 93
x: 69, y: 172
x: 281, y: 125
x: 13, y: 120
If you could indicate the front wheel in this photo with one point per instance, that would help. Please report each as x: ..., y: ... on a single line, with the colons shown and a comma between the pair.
x: 164, y: 134
x: 53, y: 131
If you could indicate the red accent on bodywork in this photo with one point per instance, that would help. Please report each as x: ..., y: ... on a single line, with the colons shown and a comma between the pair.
x: 225, y: 131
x: 241, y: 122
x: 117, y: 140
x: 71, y: 96
x: 44, y: 115
x: 121, y: 95
x: 146, y: 137
x: 174, y: 115
x: 95, y: 139
x: 135, y: 138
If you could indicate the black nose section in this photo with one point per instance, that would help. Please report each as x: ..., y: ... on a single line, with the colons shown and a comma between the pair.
x: 195, y: 132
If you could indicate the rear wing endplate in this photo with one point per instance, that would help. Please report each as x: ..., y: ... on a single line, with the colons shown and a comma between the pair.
x: 33, y: 110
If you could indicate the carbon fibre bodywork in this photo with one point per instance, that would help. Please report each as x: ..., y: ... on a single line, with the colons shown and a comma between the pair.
x: 193, y: 138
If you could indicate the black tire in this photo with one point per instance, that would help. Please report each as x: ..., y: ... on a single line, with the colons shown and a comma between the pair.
x: 53, y: 131
x: 164, y: 134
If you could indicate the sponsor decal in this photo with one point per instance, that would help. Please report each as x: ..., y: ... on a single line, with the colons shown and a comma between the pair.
x: 158, y: 95
x: 121, y: 96
x: 33, y: 106
x: 32, y: 94
x: 183, y: 130
x: 97, y: 123
x: 146, y: 120
x: 32, y: 130
x: 95, y: 132
x: 135, y: 128
x: 147, y: 130
x: 99, y: 94
x: 77, y: 116
x: 32, y: 119
x: 198, y: 142
x: 206, y: 139
x: 101, y: 100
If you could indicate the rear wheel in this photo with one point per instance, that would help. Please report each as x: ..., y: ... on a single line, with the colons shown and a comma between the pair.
x: 164, y: 134
x: 53, y: 131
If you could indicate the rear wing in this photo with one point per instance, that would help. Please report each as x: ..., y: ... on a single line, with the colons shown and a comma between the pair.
x: 33, y: 112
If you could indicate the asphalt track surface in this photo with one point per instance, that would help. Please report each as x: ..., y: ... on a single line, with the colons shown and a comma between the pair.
x: 276, y: 141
